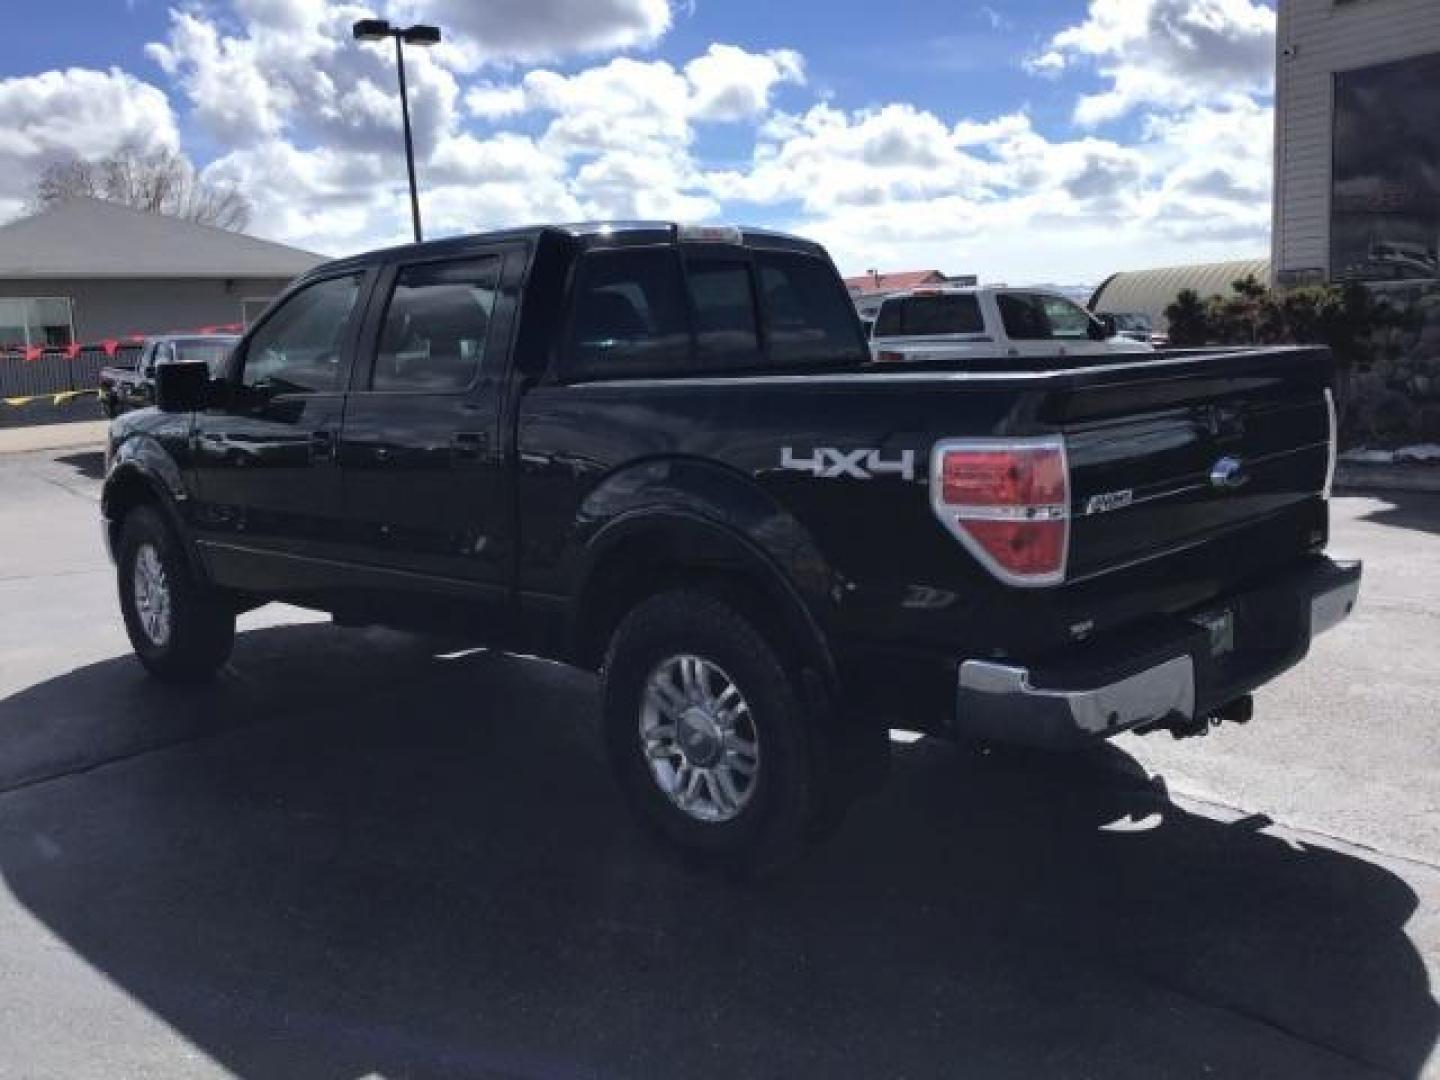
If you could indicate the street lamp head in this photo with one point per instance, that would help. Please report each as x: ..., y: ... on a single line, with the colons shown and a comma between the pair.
x: 421, y: 34
x: 372, y: 30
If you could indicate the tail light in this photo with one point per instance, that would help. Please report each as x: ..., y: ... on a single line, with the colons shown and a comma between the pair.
x: 1333, y: 451
x: 1008, y: 502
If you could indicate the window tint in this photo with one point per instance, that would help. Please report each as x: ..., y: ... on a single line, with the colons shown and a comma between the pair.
x: 1023, y: 317
x: 1068, y: 321
x: 436, y: 326
x: 724, y: 312
x: 298, y: 348
x: 810, y: 317
x: 629, y: 314
x: 952, y: 313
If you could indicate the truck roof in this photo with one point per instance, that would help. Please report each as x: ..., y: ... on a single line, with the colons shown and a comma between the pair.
x: 951, y: 290
x: 586, y: 235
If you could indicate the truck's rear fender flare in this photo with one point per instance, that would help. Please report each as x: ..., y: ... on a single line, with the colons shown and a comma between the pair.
x: 142, y: 473
x: 678, y: 522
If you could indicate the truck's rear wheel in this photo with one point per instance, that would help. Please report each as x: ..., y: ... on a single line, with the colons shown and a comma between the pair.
x: 707, y: 731
x: 179, y: 627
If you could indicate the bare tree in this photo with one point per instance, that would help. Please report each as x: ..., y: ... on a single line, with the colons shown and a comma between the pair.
x: 159, y: 181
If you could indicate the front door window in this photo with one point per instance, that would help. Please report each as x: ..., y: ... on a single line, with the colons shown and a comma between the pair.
x: 299, y: 348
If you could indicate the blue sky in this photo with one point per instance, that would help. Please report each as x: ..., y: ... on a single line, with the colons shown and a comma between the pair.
x: 1024, y: 141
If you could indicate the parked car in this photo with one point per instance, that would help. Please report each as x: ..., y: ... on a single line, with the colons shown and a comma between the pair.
x: 663, y: 454
x: 125, y: 388
x: 1135, y: 325
x: 940, y: 323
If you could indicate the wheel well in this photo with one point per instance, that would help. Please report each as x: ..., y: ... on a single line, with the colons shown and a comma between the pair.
x: 656, y: 561
x: 122, y: 495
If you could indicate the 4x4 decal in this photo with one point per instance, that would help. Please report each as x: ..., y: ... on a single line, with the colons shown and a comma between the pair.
x: 862, y: 464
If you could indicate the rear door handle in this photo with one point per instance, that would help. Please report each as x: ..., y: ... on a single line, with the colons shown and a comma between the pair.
x: 322, y: 444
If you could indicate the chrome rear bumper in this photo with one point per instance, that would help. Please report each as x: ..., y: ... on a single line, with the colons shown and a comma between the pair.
x: 1013, y: 704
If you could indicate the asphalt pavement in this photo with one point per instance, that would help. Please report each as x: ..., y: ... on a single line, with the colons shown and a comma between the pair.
x: 357, y: 856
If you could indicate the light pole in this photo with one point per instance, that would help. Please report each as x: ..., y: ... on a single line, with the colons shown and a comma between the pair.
x: 425, y: 36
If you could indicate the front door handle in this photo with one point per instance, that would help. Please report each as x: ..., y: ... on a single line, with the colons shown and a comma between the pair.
x: 470, y: 445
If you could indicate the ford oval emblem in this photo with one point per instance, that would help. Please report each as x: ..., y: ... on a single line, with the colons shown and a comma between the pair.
x: 1228, y: 473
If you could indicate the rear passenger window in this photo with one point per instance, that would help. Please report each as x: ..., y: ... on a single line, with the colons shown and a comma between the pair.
x: 724, y: 312
x: 629, y: 314
x: 954, y: 313
x: 810, y: 319
x: 436, y: 326
x: 1023, y: 317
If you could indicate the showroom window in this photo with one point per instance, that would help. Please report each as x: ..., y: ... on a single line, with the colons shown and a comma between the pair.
x: 36, y: 320
x: 1385, y: 204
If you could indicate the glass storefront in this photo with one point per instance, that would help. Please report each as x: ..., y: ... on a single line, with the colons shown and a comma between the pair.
x: 1385, y: 204
x: 35, y: 321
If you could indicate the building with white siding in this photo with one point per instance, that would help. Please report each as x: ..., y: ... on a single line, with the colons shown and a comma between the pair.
x: 1357, y: 142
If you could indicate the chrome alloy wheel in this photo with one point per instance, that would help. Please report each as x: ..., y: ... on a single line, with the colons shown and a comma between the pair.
x: 152, y: 595
x: 699, y: 738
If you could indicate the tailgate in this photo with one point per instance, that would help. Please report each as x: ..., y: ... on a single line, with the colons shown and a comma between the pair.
x: 1165, y: 457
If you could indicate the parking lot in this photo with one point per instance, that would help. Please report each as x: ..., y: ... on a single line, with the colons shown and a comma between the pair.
x: 353, y: 856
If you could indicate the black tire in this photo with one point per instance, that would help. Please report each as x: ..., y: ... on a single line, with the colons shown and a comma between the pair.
x: 201, y: 624
x: 795, y: 795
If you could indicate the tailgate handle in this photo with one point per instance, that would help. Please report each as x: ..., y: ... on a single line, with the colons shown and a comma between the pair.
x: 1228, y: 474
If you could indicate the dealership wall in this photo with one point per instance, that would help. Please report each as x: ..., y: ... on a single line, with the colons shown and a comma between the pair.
x: 115, y: 307
x: 1316, y: 39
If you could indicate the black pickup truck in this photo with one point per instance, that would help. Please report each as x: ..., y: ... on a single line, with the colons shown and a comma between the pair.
x: 662, y: 453
x: 124, y: 388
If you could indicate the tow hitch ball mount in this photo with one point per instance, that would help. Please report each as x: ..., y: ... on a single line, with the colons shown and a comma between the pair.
x: 1238, y: 711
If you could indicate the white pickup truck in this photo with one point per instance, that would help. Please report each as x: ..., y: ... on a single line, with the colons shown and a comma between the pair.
x: 941, y: 323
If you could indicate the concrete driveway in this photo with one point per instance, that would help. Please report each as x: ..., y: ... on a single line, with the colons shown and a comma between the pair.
x: 351, y: 857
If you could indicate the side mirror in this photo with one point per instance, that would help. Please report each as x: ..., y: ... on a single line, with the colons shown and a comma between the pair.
x: 183, y: 386
x: 1102, y: 327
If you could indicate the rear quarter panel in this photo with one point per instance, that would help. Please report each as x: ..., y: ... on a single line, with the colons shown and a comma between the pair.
x: 785, y: 460
x: 864, y: 551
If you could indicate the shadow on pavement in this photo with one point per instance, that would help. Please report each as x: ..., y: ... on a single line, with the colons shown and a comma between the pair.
x: 88, y: 463
x: 1419, y: 510
x: 380, y: 862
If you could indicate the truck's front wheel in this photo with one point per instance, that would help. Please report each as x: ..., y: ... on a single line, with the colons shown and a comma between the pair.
x: 180, y: 628
x: 707, y: 732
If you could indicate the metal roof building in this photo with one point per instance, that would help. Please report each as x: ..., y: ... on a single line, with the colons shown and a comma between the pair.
x: 1152, y: 291
x: 86, y: 270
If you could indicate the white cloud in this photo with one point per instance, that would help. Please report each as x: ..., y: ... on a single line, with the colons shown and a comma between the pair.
x: 490, y: 102
x: 294, y: 71
x: 622, y: 104
x: 896, y: 187
x: 1166, y: 54
x: 530, y: 30
x: 78, y: 112
x: 827, y: 157
x: 731, y: 84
